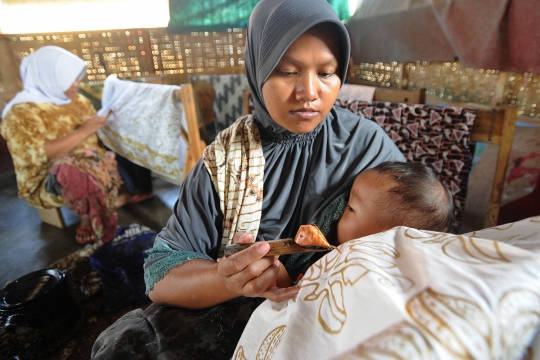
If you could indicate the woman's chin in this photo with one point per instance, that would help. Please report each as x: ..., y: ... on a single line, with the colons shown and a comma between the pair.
x: 303, y: 127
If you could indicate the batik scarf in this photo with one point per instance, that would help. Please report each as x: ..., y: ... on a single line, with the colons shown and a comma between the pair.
x: 235, y: 162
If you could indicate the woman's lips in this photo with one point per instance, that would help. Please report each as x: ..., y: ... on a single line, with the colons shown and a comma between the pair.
x: 305, y: 114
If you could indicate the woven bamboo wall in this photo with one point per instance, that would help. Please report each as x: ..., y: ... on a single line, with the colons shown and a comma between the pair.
x: 450, y: 82
x: 147, y: 52
x: 142, y: 52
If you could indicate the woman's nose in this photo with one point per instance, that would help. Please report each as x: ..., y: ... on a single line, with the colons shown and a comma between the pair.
x: 307, y: 87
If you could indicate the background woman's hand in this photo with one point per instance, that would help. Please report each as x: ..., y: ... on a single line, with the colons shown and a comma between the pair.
x: 251, y: 274
x: 92, y: 124
x: 64, y: 144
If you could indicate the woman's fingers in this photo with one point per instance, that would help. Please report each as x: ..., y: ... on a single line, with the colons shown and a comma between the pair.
x: 281, y: 294
x: 250, y: 273
x: 243, y: 237
x: 249, y: 262
x: 99, y: 120
x: 249, y: 267
x: 93, y: 123
x: 256, y: 286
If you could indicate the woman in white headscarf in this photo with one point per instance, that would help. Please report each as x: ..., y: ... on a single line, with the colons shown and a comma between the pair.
x: 266, y: 175
x: 50, y: 131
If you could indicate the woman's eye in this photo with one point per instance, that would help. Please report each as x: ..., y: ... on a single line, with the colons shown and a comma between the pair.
x: 286, y: 73
x: 349, y: 207
x: 326, y: 75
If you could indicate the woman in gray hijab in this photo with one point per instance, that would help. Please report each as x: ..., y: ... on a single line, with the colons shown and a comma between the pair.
x: 263, y: 177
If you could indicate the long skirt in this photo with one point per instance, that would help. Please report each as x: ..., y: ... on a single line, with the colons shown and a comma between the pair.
x: 164, y: 332
x: 88, y: 181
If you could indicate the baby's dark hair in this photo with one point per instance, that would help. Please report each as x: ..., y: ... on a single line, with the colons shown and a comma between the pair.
x: 414, y: 197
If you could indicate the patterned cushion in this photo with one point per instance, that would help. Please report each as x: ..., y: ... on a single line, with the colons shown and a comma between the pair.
x: 228, y: 103
x: 434, y: 136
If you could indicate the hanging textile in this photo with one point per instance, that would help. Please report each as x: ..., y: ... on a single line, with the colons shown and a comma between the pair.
x: 482, y: 34
x: 216, y: 15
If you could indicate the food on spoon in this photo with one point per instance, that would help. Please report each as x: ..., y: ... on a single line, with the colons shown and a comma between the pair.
x: 309, y: 238
x: 311, y: 235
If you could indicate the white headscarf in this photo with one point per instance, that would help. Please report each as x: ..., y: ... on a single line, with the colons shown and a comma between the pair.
x: 46, y: 75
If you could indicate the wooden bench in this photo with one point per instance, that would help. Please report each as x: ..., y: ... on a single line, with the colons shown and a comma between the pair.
x: 496, y: 127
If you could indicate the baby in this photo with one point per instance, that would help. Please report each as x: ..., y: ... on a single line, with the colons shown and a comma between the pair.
x: 390, y: 194
x: 395, y: 194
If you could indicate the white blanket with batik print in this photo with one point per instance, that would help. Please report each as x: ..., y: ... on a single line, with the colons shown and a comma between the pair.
x: 409, y: 294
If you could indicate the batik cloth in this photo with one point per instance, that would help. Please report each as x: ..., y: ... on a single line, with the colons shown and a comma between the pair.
x: 228, y: 97
x: 146, y: 125
x: 410, y: 294
x: 437, y: 137
x: 88, y: 181
x: 235, y: 162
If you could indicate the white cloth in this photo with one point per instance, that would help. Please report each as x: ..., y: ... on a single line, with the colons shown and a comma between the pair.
x: 357, y: 92
x: 46, y: 75
x: 145, y: 126
x: 408, y: 294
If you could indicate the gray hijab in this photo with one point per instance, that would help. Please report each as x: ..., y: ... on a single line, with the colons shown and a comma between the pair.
x: 273, y: 26
x: 303, y: 173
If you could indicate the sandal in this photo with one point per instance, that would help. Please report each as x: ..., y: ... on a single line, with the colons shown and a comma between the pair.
x: 85, y: 236
x: 134, y: 199
x: 140, y: 198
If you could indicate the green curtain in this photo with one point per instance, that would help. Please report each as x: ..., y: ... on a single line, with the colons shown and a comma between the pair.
x: 342, y: 8
x: 215, y: 15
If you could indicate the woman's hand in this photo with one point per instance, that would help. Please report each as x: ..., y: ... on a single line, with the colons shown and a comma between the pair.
x: 65, y: 144
x: 250, y: 273
x: 93, y: 124
x: 200, y: 283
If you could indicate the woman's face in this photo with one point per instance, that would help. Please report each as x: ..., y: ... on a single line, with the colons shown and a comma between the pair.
x: 305, y: 83
x: 73, y: 89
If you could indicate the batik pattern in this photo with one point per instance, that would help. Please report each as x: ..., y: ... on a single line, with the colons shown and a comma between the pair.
x: 228, y: 101
x: 415, y: 294
x: 235, y: 162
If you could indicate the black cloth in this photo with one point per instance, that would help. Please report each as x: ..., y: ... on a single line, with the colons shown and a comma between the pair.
x: 168, y: 333
x: 137, y: 179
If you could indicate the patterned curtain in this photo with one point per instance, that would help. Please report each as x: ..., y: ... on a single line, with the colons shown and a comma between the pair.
x: 216, y: 15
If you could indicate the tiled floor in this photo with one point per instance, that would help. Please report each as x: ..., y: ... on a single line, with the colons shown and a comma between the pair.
x: 27, y: 244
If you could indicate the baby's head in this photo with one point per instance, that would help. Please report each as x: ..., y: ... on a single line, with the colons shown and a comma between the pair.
x: 395, y: 194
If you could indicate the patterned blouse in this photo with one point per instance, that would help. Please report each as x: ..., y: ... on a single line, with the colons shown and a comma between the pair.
x: 26, y: 128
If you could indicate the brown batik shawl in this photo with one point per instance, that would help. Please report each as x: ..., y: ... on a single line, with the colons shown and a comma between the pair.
x: 438, y: 137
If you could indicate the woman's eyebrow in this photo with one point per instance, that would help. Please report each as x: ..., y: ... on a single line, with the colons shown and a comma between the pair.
x: 330, y: 61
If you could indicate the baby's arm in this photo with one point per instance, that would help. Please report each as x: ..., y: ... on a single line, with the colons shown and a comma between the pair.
x: 283, y: 279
